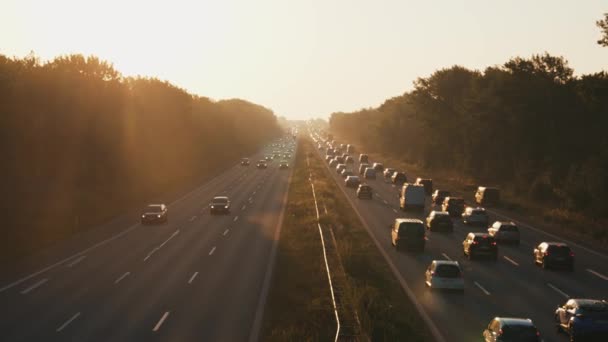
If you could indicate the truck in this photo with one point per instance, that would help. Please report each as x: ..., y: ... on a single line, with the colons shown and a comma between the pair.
x: 412, y: 197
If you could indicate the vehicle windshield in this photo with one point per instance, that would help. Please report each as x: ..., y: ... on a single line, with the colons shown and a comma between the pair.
x: 411, y: 229
x: 447, y: 271
x: 154, y: 209
x: 220, y: 200
x: 509, y: 228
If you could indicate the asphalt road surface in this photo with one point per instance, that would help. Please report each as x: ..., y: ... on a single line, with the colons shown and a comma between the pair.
x: 512, y: 286
x: 198, y: 277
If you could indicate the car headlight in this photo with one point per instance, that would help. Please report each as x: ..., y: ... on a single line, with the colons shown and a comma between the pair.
x: 143, y: 216
x: 158, y: 216
x: 212, y: 207
x: 226, y: 207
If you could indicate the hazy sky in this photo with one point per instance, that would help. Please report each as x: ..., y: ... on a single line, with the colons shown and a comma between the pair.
x: 303, y: 58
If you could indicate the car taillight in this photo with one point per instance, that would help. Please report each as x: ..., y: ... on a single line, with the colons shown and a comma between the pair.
x: 537, y: 333
x: 494, y: 243
x: 499, y: 332
x: 546, y: 253
x: 571, y: 254
x: 475, y: 242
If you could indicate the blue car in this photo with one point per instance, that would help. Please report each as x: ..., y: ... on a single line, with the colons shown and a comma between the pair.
x: 583, y: 319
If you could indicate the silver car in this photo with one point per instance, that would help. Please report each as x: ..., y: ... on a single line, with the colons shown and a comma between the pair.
x: 444, y: 274
x: 475, y: 216
x: 505, y: 232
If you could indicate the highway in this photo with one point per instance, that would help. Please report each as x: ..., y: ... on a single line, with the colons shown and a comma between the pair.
x: 513, y: 286
x: 198, y: 277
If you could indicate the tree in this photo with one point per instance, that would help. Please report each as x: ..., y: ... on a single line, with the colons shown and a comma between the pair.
x: 603, y: 24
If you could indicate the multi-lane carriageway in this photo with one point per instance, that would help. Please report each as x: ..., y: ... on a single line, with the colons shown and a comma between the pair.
x: 512, y: 286
x: 199, y: 277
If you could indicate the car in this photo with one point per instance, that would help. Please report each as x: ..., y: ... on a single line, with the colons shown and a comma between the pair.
x: 480, y: 244
x: 554, y: 255
x: 509, y: 329
x: 345, y: 155
x: 245, y: 162
x: 583, y: 319
x: 487, y: 196
x: 268, y: 158
x: 412, y: 197
x: 333, y: 162
x: 378, y: 167
x: 321, y: 148
x: 362, y: 168
x: 345, y: 173
x: 388, y: 172
x: 349, y: 160
x: 219, y: 205
x: 398, y: 178
x: 439, y: 221
x: 328, y: 158
x: 369, y: 173
x: 439, y: 196
x: 427, y: 183
x: 340, y: 168
x: 444, y: 274
x: 352, y: 181
x: 364, y: 191
x: 283, y: 165
x: 475, y: 216
x: 340, y: 159
x: 155, y: 213
x: 505, y: 232
x: 363, y: 158
x: 261, y: 164
x: 350, y: 148
x: 408, y: 233
x: 453, y: 205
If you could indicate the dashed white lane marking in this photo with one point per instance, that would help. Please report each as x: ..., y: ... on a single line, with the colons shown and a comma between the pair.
x: 192, y: 278
x: 597, y: 274
x: 395, y: 210
x: 446, y: 256
x: 385, y: 201
x: 76, y: 261
x: 235, y: 218
x: 378, y: 195
x: 192, y: 218
x: 511, y: 260
x: 121, y: 277
x: 161, y: 245
x: 254, y: 192
x: 564, y: 294
x: 226, y: 232
x: 481, y: 288
x: 64, y: 325
x: 250, y: 199
x: 212, y: 250
x: 243, y: 207
x: 160, y: 322
x: 33, y: 287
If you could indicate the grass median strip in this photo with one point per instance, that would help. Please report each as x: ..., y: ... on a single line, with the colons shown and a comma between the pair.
x: 299, y: 304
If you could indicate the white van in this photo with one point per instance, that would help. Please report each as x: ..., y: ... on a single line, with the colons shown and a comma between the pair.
x: 411, y: 197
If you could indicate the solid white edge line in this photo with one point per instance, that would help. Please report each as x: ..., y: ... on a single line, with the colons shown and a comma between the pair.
x: 446, y: 256
x: 29, y: 289
x: 192, y: 278
x: 481, y: 288
x: 556, y: 289
x: 256, y: 327
x: 160, y: 322
x: 64, y: 325
x: 597, y: 274
x: 212, y: 250
x: 76, y: 261
x: 121, y: 277
x: 511, y: 260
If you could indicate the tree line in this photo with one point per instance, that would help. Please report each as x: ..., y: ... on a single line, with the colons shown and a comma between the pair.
x: 81, y: 143
x: 530, y: 125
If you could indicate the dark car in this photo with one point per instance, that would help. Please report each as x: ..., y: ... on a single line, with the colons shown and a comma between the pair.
x: 364, y: 191
x: 506, y: 329
x: 583, y: 319
x: 408, y: 233
x: 219, y: 205
x: 245, y: 161
x: 362, y: 168
x: 439, y: 196
x: 453, y: 205
x: 399, y: 178
x: 340, y: 159
x: 345, y: 173
x: 388, y: 172
x: 283, y: 165
x: 378, y: 167
x: 439, y: 221
x: 505, y: 232
x: 155, y: 213
x: 554, y: 255
x: 475, y: 216
x: 487, y: 196
x: 349, y: 160
x: 352, y: 181
x: 427, y: 183
x: 480, y: 244
x: 261, y: 164
x: 363, y: 158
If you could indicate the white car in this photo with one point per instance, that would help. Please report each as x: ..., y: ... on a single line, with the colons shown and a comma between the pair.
x: 444, y: 274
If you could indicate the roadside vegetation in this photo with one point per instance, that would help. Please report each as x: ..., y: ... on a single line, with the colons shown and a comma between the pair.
x: 81, y: 144
x: 384, y: 310
x: 529, y: 126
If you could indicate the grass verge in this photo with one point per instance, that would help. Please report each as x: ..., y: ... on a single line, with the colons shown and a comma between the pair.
x: 299, y: 306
